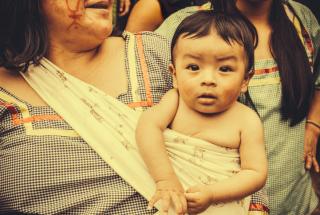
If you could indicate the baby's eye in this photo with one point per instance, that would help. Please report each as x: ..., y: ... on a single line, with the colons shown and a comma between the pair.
x: 193, y: 67
x: 225, y: 69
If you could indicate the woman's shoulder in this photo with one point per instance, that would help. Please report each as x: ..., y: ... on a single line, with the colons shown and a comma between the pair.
x: 9, y: 82
x: 7, y: 77
x: 146, y: 37
x: 151, y: 44
x: 299, y: 7
x: 305, y: 14
x: 309, y: 22
x: 168, y: 27
x: 14, y: 88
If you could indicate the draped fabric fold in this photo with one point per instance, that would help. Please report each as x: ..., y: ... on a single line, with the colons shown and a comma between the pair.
x: 108, y: 126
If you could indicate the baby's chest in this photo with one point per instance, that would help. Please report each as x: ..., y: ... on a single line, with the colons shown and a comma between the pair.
x: 221, y: 137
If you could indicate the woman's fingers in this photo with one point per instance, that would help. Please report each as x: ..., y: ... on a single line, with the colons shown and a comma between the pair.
x: 308, y: 160
x: 311, y: 160
x: 315, y: 164
x: 124, y: 7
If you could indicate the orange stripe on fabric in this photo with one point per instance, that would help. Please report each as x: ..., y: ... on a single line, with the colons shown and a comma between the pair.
x: 258, y: 207
x: 144, y: 69
x: 37, y: 118
x: 265, y: 71
x: 139, y: 104
x: 308, y: 40
x: 16, y: 121
x: 269, y: 70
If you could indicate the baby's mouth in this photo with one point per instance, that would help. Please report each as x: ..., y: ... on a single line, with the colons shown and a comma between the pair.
x: 207, y: 98
x: 207, y: 95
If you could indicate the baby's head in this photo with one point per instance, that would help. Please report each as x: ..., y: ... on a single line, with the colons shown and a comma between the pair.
x: 212, y: 60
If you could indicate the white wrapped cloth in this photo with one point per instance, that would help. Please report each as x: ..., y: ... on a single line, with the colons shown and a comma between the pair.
x: 108, y: 126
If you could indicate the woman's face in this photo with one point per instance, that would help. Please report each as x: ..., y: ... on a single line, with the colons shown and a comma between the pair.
x: 78, y: 23
x: 254, y: 2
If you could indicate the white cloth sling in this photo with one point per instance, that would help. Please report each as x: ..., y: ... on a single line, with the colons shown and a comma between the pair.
x: 108, y: 126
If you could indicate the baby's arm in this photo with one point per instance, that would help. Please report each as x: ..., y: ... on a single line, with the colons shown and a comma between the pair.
x: 149, y: 135
x: 248, y: 180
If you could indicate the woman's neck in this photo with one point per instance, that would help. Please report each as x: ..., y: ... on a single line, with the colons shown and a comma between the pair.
x: 85, y: 63
x: 70, y: 59
x: 256, y: 11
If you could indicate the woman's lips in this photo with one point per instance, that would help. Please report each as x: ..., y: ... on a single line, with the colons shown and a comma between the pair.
x: 99, y: 5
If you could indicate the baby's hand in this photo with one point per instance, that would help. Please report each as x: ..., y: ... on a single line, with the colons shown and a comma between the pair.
x: 167, y: 191
x: 198, y: 198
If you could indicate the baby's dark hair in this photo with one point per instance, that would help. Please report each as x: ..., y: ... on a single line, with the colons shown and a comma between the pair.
x: 230, y: 27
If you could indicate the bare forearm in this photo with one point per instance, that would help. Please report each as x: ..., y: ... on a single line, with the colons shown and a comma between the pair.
x: 314, y: 112
x: 243, y: 184
x: 151, y: 145
x: 149, y: 135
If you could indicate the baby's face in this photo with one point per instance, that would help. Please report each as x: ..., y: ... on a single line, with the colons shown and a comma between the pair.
x: 209, y: 72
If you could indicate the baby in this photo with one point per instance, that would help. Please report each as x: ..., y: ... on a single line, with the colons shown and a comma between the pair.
x: 212, y: 64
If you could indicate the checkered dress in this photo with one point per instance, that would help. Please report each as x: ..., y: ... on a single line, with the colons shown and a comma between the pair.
x: 289, y: 185
x: 47, y: 168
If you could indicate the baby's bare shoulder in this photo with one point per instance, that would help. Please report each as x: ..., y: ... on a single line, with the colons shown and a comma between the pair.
x: 245, y: 114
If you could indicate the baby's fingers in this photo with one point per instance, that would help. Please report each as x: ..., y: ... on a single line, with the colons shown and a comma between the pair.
x: 153, y: 200
x: 194, y: 210
x: 165, y: 200
x: 191, y: 197
x: 178, y: 202
x: 184, y: 203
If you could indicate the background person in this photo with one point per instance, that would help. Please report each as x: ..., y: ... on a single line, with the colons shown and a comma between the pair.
x: 282, y: 90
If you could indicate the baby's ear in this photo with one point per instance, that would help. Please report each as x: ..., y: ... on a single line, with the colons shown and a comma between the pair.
x: 245, y: 82
x: 172, y: 69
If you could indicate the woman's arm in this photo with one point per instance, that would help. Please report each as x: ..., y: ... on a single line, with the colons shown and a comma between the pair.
x: 145, y: 16
x: 312, y: 133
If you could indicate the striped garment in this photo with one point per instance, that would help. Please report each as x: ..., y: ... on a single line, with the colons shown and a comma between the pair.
x: 46, y: 168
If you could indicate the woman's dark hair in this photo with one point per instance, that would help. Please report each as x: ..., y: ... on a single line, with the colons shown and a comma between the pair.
x: 295, y: 71
x: 230, y: 27
x: 23, y: 34
x: 291, y: 57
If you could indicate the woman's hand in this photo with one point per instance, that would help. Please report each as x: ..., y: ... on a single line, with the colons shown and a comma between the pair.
x: 124, y: 7
x: 167, y: 191
x: 310, y: 146
x: 199, y: 198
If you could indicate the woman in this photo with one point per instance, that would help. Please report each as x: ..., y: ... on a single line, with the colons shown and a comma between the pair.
x: 282, y: 92
x: 46, y: 167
